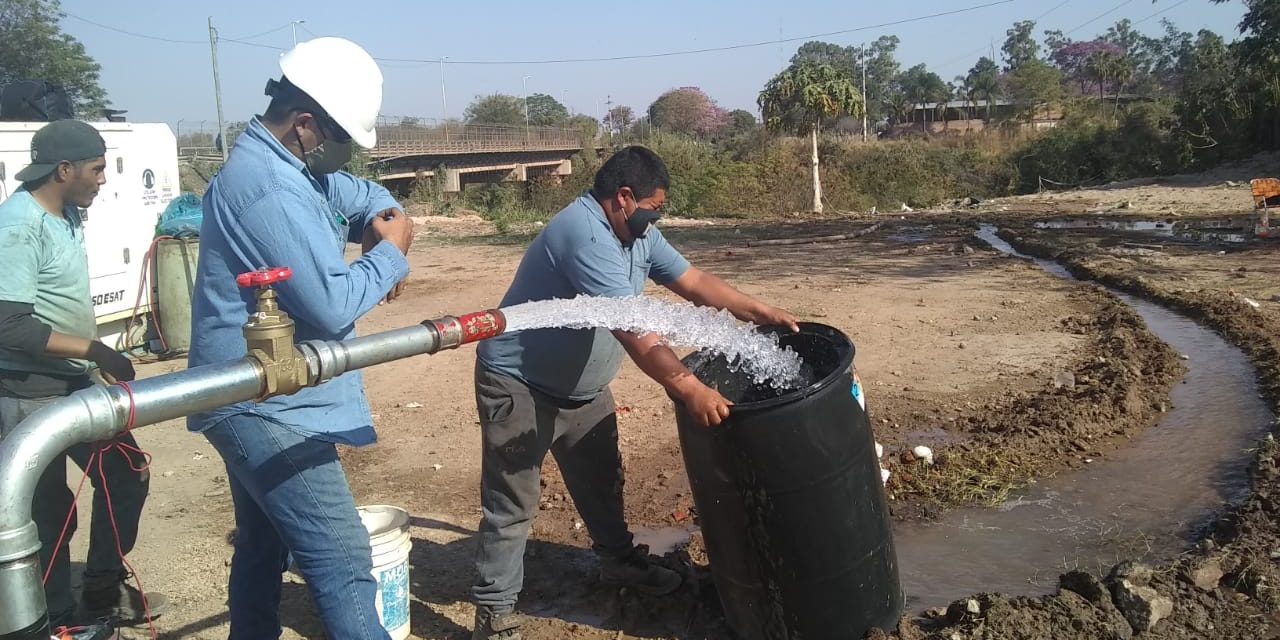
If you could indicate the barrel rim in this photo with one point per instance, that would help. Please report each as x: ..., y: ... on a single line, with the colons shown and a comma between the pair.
x: 841, y: 370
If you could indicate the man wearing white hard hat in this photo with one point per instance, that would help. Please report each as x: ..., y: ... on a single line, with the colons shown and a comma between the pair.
x: 282, y: 200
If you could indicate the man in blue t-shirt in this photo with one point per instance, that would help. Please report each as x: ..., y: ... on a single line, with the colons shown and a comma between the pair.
x: 548, y: 389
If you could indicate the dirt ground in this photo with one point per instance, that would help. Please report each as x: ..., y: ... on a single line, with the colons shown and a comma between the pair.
x: 958, y: 348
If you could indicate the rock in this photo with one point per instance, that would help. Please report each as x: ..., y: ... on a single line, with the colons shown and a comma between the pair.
x: 1142, y: 607
x: 968, y: 250
x: 413, y: 405
x: 1086, y: 585
x: 1137, y: 573
x: 973, y: 607
x: 1205, y: 575
x: 906, y: 208
x: 923, y: 454
x: 884, y: 476
x: 1127, y: 204
x: 1064, y: 380
x: 879, y: 451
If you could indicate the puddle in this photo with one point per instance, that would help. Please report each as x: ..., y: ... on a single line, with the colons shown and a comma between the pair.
x: 663, y: 541
x: 911, y: 235
x: 1149, y: 499
x: 1226, y: 231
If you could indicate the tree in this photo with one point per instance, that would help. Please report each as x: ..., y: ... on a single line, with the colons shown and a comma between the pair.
x: 984, y: 80
x: 1034, y: 83
x: 1258, y: 53
x: 922, y: 86
x: 409, y: 122
x: 800, y: 98
x: 1105, y: 68
x: 882, y: 74
x: 1209, y: 103
x: 546, y: 111
x: 1073, y: 59
x: 1020, y: 46
x: 687, y: 110
x: 586, y: 124
x: 619, y: 118
x: 497, y: 109
x: 843, y: 59
x: 33, y: 47
x: 740, y: 121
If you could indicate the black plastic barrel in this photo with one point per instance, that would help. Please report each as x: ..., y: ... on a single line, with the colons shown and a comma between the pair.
x: 790, y: 500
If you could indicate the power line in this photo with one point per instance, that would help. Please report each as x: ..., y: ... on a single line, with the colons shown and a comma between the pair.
x: 130, y: 33
x: 1099, y: 17
x: 264, y: 33
x: 1055, y: 8
x: 648, y: 56
x: 667, y: 54
x: 982, y: 48
x: 1162, y: 11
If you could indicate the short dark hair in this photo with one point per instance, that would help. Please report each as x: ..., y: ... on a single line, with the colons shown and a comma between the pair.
x: 636, y: 167
x: 287, y: 100
x: 78, y: 165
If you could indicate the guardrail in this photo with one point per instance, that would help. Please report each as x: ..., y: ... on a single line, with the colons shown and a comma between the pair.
x: 410, y: 140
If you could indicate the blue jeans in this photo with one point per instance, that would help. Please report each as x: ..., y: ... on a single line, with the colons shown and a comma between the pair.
x: 291, y: 497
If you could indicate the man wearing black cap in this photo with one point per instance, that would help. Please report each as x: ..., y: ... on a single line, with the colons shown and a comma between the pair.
x: 48, y: 349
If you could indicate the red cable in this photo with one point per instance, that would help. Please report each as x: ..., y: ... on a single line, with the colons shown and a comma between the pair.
x: 143, y: 286
x: 98, y: 455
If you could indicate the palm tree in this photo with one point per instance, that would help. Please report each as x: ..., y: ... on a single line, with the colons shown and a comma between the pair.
x: 800, y: 98
x: 984, y: 79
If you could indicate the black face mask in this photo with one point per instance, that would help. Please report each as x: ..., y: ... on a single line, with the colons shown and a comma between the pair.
x: 640, y: 221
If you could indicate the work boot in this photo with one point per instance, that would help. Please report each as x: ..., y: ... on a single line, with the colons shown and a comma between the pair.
x: 496, y: 625
x: 635, y: 571
x: 122, y: 602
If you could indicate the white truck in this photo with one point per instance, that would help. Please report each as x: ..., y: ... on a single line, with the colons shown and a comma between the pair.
x: 142, y: 178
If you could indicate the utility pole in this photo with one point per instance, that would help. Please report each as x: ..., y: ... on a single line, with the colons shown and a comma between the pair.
x: 608, y: 114
x: 864, y: 91
x: 525, y: 81
x: 217, y: 88
x: 444, y: 101
x: 295, y: 31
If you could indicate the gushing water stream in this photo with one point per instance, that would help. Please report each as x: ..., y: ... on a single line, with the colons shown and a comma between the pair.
x: 679, y: 324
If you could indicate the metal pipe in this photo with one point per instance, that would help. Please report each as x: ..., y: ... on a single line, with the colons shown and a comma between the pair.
x: 102, y: 412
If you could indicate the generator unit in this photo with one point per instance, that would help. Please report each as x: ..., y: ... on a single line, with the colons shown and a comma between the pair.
x: 142, y: 178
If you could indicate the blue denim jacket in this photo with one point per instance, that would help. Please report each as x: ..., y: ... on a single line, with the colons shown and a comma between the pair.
x: 265, y: 209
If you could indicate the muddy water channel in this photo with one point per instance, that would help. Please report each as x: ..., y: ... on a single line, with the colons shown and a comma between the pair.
x: 1148, y: 500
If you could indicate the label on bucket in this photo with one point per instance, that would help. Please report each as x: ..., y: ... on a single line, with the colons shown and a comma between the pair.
x: 393, y: 586
x: 857, y: 391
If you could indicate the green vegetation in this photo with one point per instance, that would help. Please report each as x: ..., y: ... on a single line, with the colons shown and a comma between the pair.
x: 33, y: 47
x: 1052, y: 113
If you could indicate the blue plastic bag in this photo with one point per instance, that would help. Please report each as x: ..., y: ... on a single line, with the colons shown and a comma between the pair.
x: 182, y: 218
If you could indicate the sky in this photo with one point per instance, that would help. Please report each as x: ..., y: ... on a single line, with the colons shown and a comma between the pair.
x: 166, y: 76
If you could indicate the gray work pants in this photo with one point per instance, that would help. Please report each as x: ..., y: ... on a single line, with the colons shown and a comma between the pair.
x: 519, y: 425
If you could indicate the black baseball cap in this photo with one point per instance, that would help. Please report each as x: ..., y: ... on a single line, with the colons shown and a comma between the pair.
x: 61, y: 141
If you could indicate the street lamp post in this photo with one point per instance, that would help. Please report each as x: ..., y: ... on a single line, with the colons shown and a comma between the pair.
x: 525, y: 80
x: 444, y: 101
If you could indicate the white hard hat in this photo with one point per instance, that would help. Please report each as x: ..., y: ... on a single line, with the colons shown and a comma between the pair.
x: 343, y: 79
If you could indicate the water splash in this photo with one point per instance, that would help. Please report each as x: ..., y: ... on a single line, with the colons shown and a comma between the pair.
x: 678, y: 324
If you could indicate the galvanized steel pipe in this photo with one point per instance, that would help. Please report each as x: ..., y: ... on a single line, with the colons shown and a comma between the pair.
x: 103, y: 412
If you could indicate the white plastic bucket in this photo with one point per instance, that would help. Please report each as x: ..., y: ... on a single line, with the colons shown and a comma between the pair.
x: 388, y: 528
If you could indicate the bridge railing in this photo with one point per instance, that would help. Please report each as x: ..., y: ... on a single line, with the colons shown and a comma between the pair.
x: 396, y: 140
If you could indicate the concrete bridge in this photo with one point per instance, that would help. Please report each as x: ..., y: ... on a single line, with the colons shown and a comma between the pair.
x: 471, y: 153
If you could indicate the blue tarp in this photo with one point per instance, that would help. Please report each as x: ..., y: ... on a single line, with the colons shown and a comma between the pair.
x: 181, y: 219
